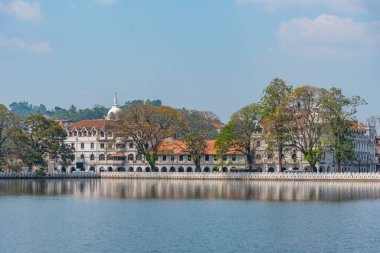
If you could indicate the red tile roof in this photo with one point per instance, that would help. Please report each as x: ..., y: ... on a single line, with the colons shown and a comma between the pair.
x: 99, y: 124
x: 179, y: 147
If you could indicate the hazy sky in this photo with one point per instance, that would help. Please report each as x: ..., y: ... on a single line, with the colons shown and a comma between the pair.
x: 215, y: 55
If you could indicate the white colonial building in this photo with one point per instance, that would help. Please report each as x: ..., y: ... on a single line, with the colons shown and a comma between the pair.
x: 97, y: 149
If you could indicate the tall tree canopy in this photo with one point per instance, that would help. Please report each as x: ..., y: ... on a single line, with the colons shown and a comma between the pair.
x: 147, y: 126
x: 196, y: 129
x: 307, y: 126
x: 46, y: 141
x: 9, y: 126
x: 339, y: 113
x: 274, y: 118
x: 239, y: 133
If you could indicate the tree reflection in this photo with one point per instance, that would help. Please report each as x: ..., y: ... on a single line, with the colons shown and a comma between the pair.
x: 192, y: 189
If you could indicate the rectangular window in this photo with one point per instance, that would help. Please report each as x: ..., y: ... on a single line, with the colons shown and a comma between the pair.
x: 82, y: 145
x: 189, y: 158
x: 234, y: 158
x: 224, y: 158
x: 164, y: 158
x: 109, y: 146
x: 207, y: 158
x: 172, y: 158
x: 181, y: 158
x: 258, y: 144
x: 92, y: 145
x: 102, y: 145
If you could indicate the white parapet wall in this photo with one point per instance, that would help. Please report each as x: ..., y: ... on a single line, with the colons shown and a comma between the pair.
x: 247, y: 176
x: 345, y: 176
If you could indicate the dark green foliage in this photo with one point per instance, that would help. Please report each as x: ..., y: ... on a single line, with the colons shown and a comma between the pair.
x: 156, y: 102
x: 197, y: 127
x: 24, y: 109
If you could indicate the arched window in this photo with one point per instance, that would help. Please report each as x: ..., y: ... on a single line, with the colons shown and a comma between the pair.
x: 75, y: 133
x: 82, y: 156
x: 294, y: 157
x: 102, y: 157
x: 92, y: 157
x: 130, y: 157
x: 101, y: 134
x: 94, y: 133
x: 130, y: 145
x: 109, y: 157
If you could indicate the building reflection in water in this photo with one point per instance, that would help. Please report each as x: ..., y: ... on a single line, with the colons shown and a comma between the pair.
x: 192, y: 189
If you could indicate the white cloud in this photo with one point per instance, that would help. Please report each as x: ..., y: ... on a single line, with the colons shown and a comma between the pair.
x: 344, y: 5
x: 329, y: 36
x: 106, y: 2
x: 22, y: 10
x: 17, y: 44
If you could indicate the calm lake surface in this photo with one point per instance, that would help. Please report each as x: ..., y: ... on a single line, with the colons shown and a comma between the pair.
x: 123, y: 215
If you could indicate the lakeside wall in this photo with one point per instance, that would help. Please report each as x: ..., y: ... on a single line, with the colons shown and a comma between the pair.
x: 345, y: 176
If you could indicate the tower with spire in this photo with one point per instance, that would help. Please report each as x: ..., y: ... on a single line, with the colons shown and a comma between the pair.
x: 114, y: 109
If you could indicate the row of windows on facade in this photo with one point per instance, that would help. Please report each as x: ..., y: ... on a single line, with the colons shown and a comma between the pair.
x: 102, y: 157
x: 189, y: 158
x: 102, y: 145
x: 363, y: 146
x: 93, y: 133
x: 164, y: 158
x: 181, y: 157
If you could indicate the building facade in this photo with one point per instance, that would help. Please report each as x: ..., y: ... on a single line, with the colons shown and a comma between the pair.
x: 98, y: 150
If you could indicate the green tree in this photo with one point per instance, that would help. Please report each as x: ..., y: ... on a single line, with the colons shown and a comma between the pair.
x: 240, y: 131
x: 9, y: 125
x: 46, y: 141
x: 274, y: 118
x: 196, y: 129
x: 307, y: 126
x: 339, y: 113
x: 147, y: 126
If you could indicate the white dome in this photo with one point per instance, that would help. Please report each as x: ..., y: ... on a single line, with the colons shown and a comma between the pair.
x: 114, y: 109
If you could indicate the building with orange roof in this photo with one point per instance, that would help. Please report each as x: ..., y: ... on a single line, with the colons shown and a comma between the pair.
x: 97, y: 149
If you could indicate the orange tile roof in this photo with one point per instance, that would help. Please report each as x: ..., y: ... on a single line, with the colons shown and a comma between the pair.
x: 99, y: 124
x: 359, y: 126
x: 179, y: 147
x: 119, y: 154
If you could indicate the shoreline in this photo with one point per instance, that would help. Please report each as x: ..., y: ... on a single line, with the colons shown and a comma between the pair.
x: 229, y: 176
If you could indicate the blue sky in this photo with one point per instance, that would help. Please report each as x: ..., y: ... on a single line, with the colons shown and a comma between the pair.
x: 215, y: 55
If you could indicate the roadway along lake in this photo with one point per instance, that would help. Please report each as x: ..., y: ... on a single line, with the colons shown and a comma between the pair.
x: 122, y: 215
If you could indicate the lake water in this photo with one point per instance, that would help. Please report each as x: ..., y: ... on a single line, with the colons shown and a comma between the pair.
x: 122, y: 215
